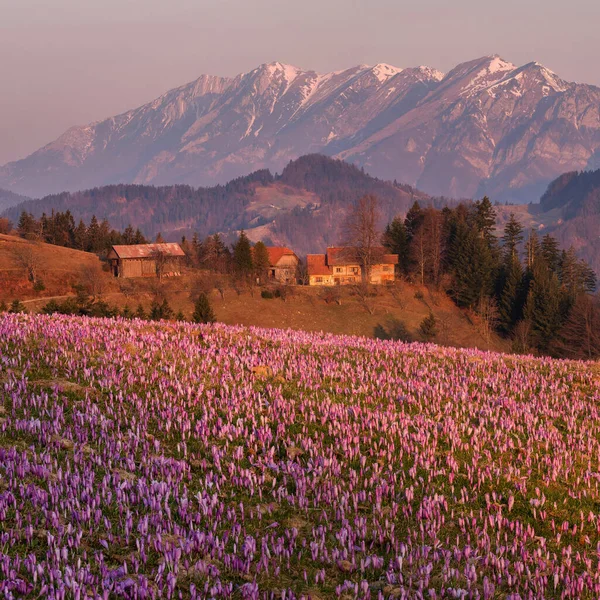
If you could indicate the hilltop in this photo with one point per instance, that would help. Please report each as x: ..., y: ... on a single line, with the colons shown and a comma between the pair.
x: 302, y: 207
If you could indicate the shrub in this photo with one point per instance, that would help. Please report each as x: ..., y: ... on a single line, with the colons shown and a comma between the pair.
x: 50, y: 308
x: 3, y: 307
x: 39, y: 286
x: 17, y: 306
x: 140, y: 313
x: 419, y: 295
x: 203, y: 312
x: 127, y: 313
x: 394, y: 329
x: 428, y: 327
x: 267, y: 294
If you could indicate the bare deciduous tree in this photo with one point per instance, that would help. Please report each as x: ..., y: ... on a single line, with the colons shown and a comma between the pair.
x: 396, y: 289
x: 27, y: 258
x: 93, y: 280
x: 361, y: 234
x: 487, y: 309
x: 365, y: 294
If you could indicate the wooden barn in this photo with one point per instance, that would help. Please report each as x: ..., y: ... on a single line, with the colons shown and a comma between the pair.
x: 283, y: 264
x: 146, y: 260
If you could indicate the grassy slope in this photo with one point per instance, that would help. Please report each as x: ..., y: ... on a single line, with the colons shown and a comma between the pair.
x: 59, y: 268
x: 407, y: 468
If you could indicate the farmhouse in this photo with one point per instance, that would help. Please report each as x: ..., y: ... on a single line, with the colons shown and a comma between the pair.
x: 339, y: 267
x: 283, y: 264
x: 146, y: 260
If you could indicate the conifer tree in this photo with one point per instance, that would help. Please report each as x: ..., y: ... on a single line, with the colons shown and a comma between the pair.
x: 550, y: 252
x: 127, y: 313
x: 513, y: 236
x: 242, y: 255
x: 203, y: 312
x: 180, y: 316
x: 413, y: 220
x: 485, y: 221
x: 509, y: 300
x: 260, y: 258
x: 543, y: 305
x: 93, y: 235
x: 395, y: 239
x: 140, y: 313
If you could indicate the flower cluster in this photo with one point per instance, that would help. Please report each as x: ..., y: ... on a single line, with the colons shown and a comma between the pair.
x: 168, y: 460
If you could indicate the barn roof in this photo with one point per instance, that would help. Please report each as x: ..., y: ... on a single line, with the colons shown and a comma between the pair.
x: 147, y: 250
x: 276, y: 253
x: 344, y: 256
x: 315, y: 264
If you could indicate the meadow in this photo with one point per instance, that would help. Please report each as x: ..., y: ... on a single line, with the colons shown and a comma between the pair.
x: 168, y: 460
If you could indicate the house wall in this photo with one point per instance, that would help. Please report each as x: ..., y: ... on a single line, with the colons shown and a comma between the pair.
x: 137, y: 267
x: 285, y: 269
x: 351, y: 274
x: 320, y: 280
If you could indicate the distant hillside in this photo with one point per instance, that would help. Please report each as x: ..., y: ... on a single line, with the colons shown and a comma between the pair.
x: 302, y: 207
x: 574, y: 200
x: 8, y: 199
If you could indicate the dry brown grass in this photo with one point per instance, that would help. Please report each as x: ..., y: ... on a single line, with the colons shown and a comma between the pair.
x: 303, y: 309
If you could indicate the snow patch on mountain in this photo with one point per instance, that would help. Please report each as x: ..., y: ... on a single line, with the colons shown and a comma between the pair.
x: 384, y: 71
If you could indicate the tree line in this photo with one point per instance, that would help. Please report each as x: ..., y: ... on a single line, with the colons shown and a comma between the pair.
x: 522, y: 286
x: 59, y: 228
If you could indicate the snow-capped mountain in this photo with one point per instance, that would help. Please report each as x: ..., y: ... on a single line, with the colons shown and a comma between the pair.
x: 487, y: 126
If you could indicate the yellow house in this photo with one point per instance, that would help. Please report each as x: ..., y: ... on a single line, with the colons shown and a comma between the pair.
x: 337, y: 267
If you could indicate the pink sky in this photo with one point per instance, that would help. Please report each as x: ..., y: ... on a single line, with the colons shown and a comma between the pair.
x: 69, y: 62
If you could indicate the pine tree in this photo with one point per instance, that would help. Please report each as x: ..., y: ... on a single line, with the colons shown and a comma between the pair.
x: 513, y: 236
x: 260, y: 258
x: 3, y: 307
x: 155, y: 311
x: 128, y: 235
x: 509, y: 300
x: 203, y: 312
x: 27, y: 224
x: 127, y: 313
x: 17, y: 306
x: 242, y: 255
x: 159, y: 239
x: 472, y: 266
x: 166, y: 312
x: 550, y: 252
x: 180, y: 316
x: 140, y: 313
x: 413, y: 220
x: 395, y: 239
x: 485, y: 221
x: 93, y: 235
x: 80, y: 236
x: 138, y: 237
x: 543, y: 305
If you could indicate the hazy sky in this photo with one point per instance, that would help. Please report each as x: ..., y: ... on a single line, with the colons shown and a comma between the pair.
x: 69, y: 62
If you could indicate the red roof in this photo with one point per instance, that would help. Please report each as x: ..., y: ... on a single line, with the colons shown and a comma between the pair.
x: 344, y: 256
x: 276, y: 253
x: 147, y: 250
x: 315, y: 264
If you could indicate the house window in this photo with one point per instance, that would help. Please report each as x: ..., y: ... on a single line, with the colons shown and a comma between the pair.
x: 338, y: 269
x: 385, y: 268
x: 354, y: 270
x: 319, y: 280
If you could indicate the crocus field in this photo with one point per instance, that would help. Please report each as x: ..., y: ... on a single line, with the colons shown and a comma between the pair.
x: 164, y: 460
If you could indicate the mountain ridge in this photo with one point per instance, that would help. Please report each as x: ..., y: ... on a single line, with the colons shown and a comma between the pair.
x: 487, y: 126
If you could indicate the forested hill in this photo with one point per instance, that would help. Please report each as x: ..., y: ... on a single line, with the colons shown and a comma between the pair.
x: 8, y: 199
x: 302, y: 207
x: 572, y: 202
